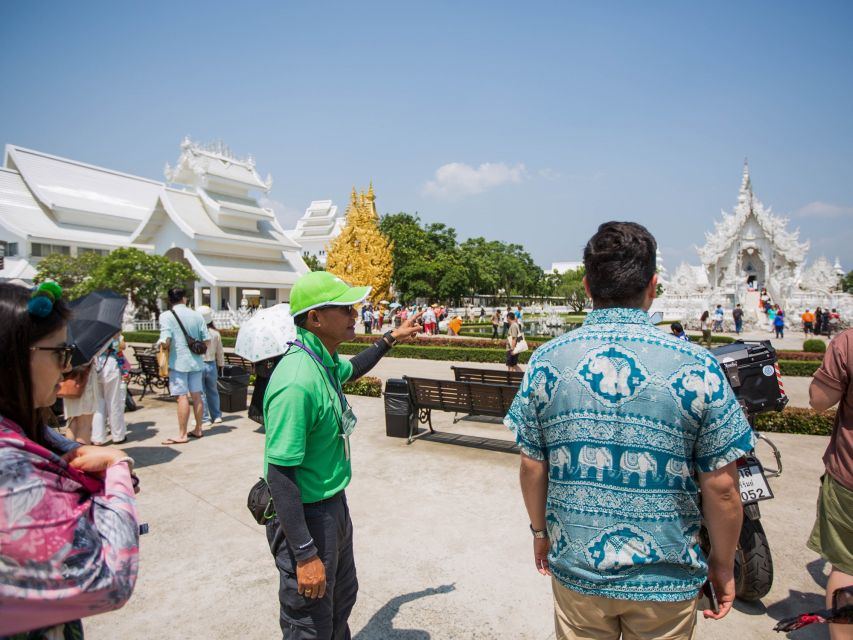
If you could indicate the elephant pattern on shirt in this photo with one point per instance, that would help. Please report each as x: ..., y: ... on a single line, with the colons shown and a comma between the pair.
x: 641, y: 463
x: 560, y: 463
x: 598, y: 458
x: 622, y: 548
x: 613, y: 374
x: 677, y: 470
x: 697, y: 388
x: 556, y: 534
x: 540, y: 384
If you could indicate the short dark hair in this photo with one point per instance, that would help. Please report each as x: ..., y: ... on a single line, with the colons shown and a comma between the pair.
x: 176, y: 295
x: 300, y: 319
x: 19, y: 330
x: 620, y: 260
x: 677, y: 327
x: 510, y: 315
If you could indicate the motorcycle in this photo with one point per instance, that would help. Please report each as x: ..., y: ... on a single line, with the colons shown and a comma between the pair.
x: 752, y: 370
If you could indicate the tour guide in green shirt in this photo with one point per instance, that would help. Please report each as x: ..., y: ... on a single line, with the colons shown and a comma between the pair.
x: 307, y: 456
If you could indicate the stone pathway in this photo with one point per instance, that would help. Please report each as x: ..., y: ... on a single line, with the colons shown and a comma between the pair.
x: 441, y: 537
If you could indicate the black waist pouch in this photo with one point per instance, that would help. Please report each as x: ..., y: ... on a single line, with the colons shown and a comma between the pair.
x: 260, y: 502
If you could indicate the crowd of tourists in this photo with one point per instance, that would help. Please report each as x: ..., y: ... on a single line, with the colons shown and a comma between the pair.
x: 69, y: 531
x: 823, y: 322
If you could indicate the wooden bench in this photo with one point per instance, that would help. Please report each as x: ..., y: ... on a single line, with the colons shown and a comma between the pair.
x: 147, y: 374
x: 487, y: 376
x: 470, y: 398
x: 234, y: 359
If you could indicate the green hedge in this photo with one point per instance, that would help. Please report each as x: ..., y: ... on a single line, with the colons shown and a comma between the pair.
x: 798, y: 367
x: 365, y: 386
x: 814, y: 346
x: 459, y: 354
x: 141, y: 336
x: 150, y: 337
x: 795, y: 420
x: 714, y: 339
x: 473, y: 354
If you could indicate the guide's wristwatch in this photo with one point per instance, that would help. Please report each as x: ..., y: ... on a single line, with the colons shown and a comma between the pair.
x: 389, y: 338
x: 538, y: 533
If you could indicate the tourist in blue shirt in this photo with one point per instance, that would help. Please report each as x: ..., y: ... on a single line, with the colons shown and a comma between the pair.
x: 186, y: 369
x: 678, y: 331
x: 619, y: 425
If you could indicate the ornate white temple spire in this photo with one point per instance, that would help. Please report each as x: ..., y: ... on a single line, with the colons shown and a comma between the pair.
x: 745, y: 194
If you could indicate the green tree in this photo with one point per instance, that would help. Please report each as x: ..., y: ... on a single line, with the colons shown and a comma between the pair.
x: 517, y: 273
x: 146, y: 278
x: 70, y: 272
x: 550, y: 284
x: 571, y: 288
x: 847, y: 283
x: 481, y: 260
x: 313, y: 263
x: 427, y: 259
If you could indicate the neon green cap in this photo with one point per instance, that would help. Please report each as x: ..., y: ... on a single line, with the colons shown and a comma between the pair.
x: 320, y: 289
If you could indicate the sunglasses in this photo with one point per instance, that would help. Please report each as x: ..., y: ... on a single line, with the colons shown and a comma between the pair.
x: 348, y: 309
x: 65, y: 353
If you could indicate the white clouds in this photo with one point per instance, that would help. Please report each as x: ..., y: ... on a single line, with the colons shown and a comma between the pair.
x: 460, y: 179
x: 818, y: 209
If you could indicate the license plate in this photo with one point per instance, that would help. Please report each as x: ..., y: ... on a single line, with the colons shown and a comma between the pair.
x: 753, y: 484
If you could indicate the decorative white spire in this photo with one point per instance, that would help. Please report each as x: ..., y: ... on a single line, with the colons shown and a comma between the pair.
x: 745, y: 194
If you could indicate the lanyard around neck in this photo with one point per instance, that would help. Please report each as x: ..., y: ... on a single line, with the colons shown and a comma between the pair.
x: 319, y: 360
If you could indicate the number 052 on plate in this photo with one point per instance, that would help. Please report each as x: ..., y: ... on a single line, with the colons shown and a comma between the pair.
x: 753, y: 484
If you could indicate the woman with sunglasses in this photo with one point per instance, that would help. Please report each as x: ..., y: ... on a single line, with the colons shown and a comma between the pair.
x: 68, y: 527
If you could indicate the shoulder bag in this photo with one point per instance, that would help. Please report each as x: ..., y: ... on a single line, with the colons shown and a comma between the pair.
x: 198, y: 347
x: 520, y: 345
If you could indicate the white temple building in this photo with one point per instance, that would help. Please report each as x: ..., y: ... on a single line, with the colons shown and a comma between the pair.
x: 207, y: 217
x: 750, y: 251
x: 566, y: 266
x: 317, y: 228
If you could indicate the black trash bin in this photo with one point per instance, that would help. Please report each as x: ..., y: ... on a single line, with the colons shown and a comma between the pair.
x: 400, y: 416
x: 233, y: 385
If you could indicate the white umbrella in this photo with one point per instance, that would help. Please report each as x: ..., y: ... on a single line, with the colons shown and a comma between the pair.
x: 266, y: 333
x: 383, y: 302
x: 395, y: 305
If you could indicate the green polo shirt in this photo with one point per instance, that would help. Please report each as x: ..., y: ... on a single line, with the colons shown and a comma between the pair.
x: 302, y: 414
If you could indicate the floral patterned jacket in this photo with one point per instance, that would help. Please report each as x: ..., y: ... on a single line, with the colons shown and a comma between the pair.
x: 69, y: 541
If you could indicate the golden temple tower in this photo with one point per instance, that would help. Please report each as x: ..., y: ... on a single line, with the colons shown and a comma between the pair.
x: 361, y: 254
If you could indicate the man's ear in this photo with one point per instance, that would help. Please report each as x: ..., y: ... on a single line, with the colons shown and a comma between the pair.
x: 313, y: 317
x: 586, y: 288
x: 653, y: 287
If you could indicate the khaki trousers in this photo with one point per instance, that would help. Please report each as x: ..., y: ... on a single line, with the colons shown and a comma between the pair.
x: 582, y: 617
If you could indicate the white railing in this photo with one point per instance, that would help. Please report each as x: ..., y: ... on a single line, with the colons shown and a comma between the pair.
x: 222, y: 319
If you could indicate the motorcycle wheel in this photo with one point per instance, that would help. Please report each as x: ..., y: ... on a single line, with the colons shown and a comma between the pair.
x: 753, y: 562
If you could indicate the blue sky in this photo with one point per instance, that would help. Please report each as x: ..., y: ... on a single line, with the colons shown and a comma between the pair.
x: 525, y: 122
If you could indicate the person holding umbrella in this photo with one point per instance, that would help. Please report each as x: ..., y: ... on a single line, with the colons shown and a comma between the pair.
x: 95, y: 324
x: 69, y: 536
x: 307, y: 456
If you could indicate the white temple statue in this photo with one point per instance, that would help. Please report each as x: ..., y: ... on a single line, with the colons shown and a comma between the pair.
x: 751, y: 250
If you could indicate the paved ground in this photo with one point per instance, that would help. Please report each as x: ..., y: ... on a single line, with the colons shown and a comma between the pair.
x: 442, y: 545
